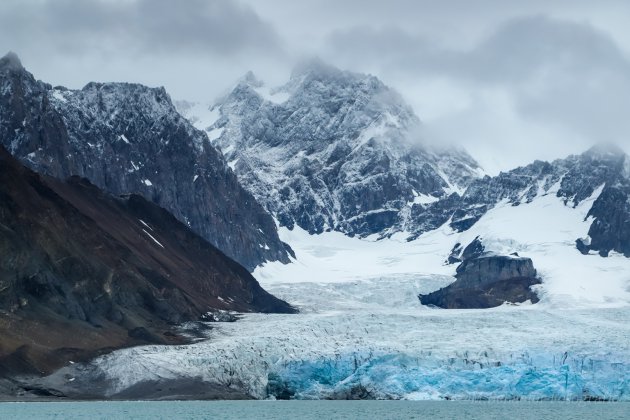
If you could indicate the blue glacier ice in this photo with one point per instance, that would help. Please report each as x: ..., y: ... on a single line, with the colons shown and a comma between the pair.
x: 396, y: 376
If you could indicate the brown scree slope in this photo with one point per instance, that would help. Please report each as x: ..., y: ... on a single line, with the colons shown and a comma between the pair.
x: 82, y: 272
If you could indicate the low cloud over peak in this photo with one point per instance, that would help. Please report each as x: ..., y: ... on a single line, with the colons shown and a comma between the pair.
x: 511, y: 81
x: 563, y: 83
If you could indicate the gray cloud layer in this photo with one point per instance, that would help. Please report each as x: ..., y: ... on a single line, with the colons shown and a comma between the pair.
x: 145, y: 26
x: 510, y: 80
x: 562, y: 72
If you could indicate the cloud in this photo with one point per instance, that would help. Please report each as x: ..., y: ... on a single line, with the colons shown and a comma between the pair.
x: 511, y: 81
x: 219, y: 27
x: 560, y: 72
x: 518, y: 49
x: 569, y: 77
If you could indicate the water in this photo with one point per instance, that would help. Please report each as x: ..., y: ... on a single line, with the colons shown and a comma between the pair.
x: 318, y: 410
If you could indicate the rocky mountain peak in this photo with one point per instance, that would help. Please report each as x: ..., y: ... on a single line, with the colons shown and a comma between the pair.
x: 129, y: 138
x: 314, y: 81
x: 312, y: 151
x: 313, y: 74
x: 108, y: 100
x: 607, y: 159
x: 14, y: 78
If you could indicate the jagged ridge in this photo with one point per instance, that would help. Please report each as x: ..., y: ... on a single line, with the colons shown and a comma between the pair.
x: 573, y: 179
x: 129, y: 138
x: 334, y: 150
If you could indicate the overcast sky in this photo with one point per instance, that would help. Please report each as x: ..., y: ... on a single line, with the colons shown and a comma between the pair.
x: 511, y: 81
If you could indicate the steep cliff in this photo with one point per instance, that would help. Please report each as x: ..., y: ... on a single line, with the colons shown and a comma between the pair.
x: 128, y: 138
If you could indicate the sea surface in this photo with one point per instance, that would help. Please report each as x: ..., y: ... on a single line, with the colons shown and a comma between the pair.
x: 319, y: 410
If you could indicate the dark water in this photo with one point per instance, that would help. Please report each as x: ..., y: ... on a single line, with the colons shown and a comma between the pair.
x: 319, y: 410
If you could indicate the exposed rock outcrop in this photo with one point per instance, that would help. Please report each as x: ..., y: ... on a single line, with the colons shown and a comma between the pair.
x: 610, y: 230
x: 486, y: 281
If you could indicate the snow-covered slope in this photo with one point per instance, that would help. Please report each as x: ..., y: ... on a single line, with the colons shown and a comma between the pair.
x: 332, y: 150
x: 544, y: 230
x: 574, y: 179
x: 363, y: 333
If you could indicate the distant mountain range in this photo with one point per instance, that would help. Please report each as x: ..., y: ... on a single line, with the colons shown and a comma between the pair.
x: 335, y: 150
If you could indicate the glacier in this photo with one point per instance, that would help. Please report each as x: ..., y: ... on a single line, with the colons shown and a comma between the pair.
x: 382, y: 345
x: 362, y: 333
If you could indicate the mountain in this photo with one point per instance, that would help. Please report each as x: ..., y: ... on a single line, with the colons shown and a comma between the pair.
x: 603, y: 172
x: 128, y: 138
x: 82, y: 271
x: 333, y: 150
x: 332, y: 153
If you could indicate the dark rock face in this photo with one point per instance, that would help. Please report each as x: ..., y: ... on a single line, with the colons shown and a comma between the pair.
x: 486, y: 269
x: 338, y: 154
x: 427, y: 217
x: 454, y: 256
x: 611, y: 228
x: 128, y: 138
x: 608, y: 166
x: 474, y: 249
x: 487, y: 281
x: 82, y: 272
